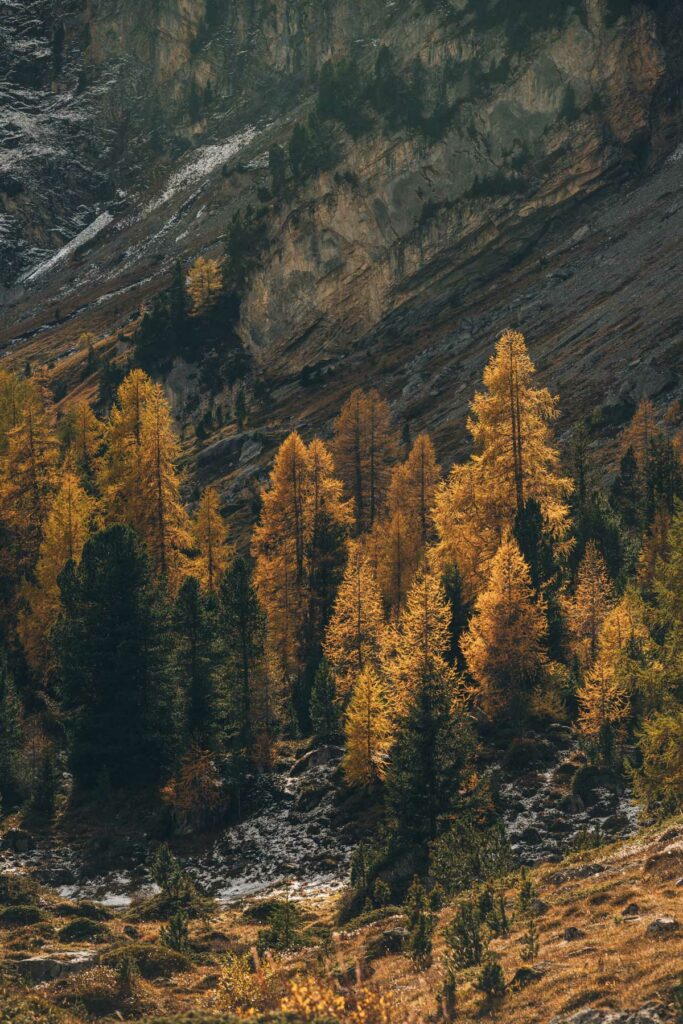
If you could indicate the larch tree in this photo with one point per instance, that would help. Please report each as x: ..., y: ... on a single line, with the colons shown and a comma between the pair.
x: 353, y: 639
x: 69, y: 522
x: 122, y: 472
x: 27, y: 477
x: 211, y: 540
x: 368, y: 729
x: 364, y: 447
x: 603, y: 707
x: 640, y: 432
x: 299, y: 546
x: 204, y: 283
x: 668, y: 593
x: 83, y: 437
x: 422, y: 642
x: 586, y: 609
x: 514, y: 459
x: 14, y: 391
x: 504, y: 645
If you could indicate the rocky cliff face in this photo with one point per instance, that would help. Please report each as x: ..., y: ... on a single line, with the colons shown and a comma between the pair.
x: 544, y: 197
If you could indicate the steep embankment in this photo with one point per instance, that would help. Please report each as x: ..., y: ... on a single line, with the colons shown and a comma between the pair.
x: 548, y: 197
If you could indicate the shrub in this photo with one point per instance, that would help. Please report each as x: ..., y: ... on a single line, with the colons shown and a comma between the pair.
x: 150, y: 959
x: 468, y: 853
x: 284, y: 928
x: 241, y: 987
x: 17, y: 889
x: 21, y: 913
x: 176, y: 934
x: 491, y: 980
x: 82, y: 929
x: 20, y: 1009
x: 659, y: 783
x: 464, y: 936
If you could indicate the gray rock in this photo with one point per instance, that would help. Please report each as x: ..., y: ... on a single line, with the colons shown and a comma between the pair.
x: 316, y: 758
x: 632, y: 910
x: 571, y: 934
x: 58, y: 965
x: 662, y: 926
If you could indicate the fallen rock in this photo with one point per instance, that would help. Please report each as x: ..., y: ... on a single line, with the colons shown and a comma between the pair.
x: 632, y: 910
x: 666, y: 863
x: 524, y: 976
x: 649, y: 1014
x: 18, y: 840
x: 51, y: 966
x: 662, y: 926
x: 316, y: 758
x: 571, y: 934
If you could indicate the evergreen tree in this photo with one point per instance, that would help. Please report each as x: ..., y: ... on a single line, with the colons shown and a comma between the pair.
x: 11, y: 737
x: 626, y: 494
x: 514, y: 460
x: 196, y: 662
x: 243, y: 627
x: 277, y: 165
x: 113, y: 647
x: 428, y: 760
x: 324, y: 709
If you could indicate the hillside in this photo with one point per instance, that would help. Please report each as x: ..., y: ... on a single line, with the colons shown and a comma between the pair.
x: 341, y: 511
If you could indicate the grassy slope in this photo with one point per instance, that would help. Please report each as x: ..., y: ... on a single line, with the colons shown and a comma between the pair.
x: 613, y: 965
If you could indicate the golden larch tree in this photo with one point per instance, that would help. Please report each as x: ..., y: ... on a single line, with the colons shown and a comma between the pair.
x: 641, y: 430
x: 14, y: 391
x: 514, y: 459
x: 368, y: 729
x: 28, y: 476
x: 418, y: 650
x: 400, y: 540
x: 211, y: 540
x: 353, y: 639
x: 70, y: 519
x: 122, y: 471
x: 204, y: 283
x: 504, y: 644
x: 83, y: 434
x: 587, y: 608
x: 603, y: 704
x: 364, y: 448
x: 164, y: 524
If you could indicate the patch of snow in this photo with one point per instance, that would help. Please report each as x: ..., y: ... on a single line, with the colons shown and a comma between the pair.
x: 94, y: 229
x: 203, y: 163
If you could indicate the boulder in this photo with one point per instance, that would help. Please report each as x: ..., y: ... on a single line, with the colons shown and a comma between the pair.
x: 662, y: 927
x: 18, y: 840
x: 524, y: 976
x: 571, y: 934
x: 316, y: 758
x: 56, y: 965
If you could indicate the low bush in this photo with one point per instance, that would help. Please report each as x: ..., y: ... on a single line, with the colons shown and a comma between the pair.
x: 82, y: 929
x: 150, y: 959
x: 21, y: 913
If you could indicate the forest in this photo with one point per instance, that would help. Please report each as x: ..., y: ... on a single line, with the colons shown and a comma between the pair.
x: 426, y: 623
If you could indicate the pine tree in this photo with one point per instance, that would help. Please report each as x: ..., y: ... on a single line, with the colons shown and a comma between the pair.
x: 668, y: 593
x: 113, y: 646
x: 324, y: 709
x: 368, y: 731
x: 196, y: 657
x: 204, y: 284
x: 211, y: 539
x: 11, y: 737
x: 514, y: 460
x: 503, y: 647
x: 364, y: 447
x: 639, y: 433
x: 252, y: 706
x: 352, y: 642
x: 69, y: 521
x: 587, y: 608
x: 626, y: 494
x: 428, y: 760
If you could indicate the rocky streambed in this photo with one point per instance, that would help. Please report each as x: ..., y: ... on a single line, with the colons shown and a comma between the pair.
x: 300, y: 834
